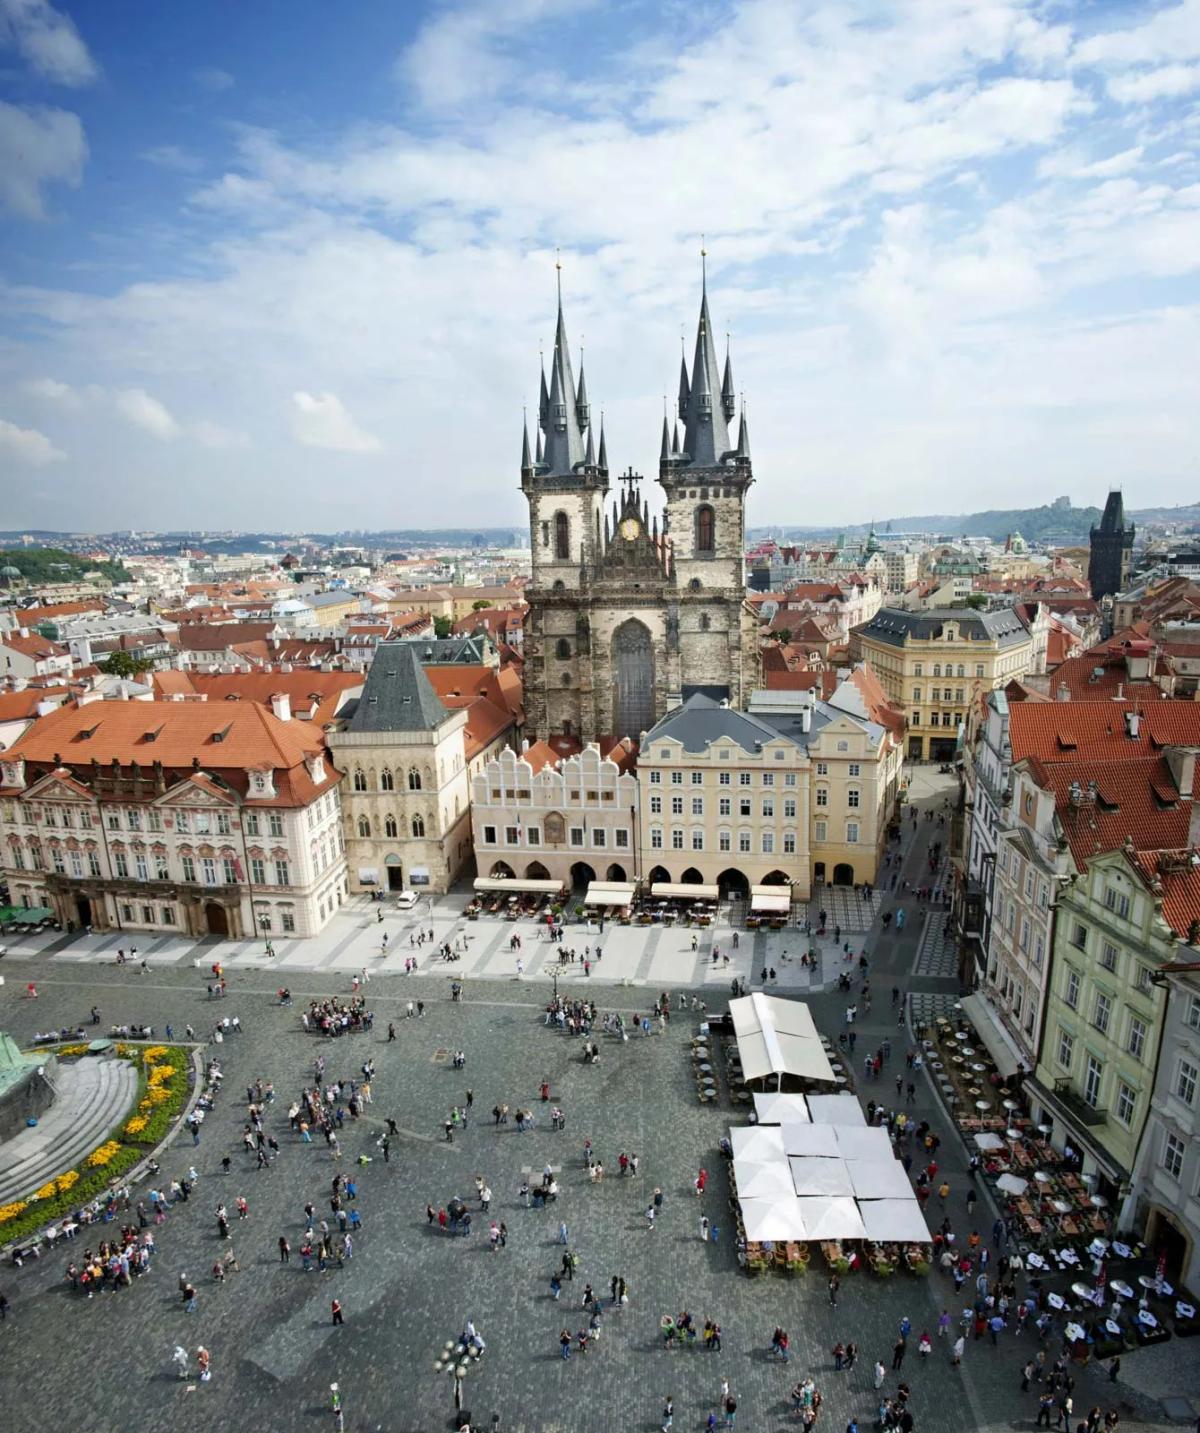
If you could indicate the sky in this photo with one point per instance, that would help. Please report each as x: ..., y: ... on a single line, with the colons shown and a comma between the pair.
x: 290, y: 264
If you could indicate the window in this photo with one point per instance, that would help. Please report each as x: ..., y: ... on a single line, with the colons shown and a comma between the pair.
x: 135, y: 820
x: 724, y: 841
x: 1137, y: 1037
x: 697, y: 805
x: 364, y: 826
x: 1066, y: 1048
x: 275, y: 823
x: 676, y: 805
x: 562, y: 537
x: 851, y: 833
x: 854, y: 768
x: 1092, y: 1071
x: 141, y: 866
x: 916, y: 696
x: 56, y: 858
x: 77, y: 865
x: 789, y: 843
x: 249, y: 823
x: 1117, y: 902
x: 705, y: 530
x: 697, y: 778
x: 208, y: 871
x: 621, y: 839
x: 1193, y: 1012
x: 390, y: 826
x: 1126, y: 1103
x: 677, y: 778
x: 789, y: 778
x: 744, y: 778
x: 599, y: 836
x: 744, y: 806
x: 744, y: 842
x: 676, y: 838
x: 576, y: 837
x: 768, y: 806
x: 283, y: 873
x: 1108, y: 955
x: 789, y: 807
x: 723, y: 778
x: 360, y: 779
x: 822, y: 768
x: 918, y: 669
x: 418, y: 825
x: 656, y: 806
x: 512, y: 835
x: 113, y: 819
x: 656, y: 838
x: 533, y: 835
x: 1185, y: 1081
x: 937, y: 669
x: 822, y: 795
x: 489, y: 835
x: 562, y: 649
x: 852, y: 796
x: 168, y: 915
x: 1142, y: 979
x: 387, y: 782
x: 288, y: 921
x: 258, y: 875
x: 1079, y: 936
x: 1172, y: 1155
x: 1071, y: 994
x: 769, y: 776
x: 656, y: 778
x: 120, y: 863
x: 1102, y: 1012
x: 819, y: 829
x: 189, y: 869
x: 697, y: 838
x: 978, y: 669
x: 229, y: 870
x: 768, y: 843
x: 414, y: 779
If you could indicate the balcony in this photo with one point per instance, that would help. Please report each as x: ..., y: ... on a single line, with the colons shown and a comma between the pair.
x: 1072, y: 1101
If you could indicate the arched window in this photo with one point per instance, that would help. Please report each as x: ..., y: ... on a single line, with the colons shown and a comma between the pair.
x: 414, y: 779
x: 418, y: 825
x: 566, y: 679
x: 562, y: 536
x: 364, y: 826
x: 562, y: 648
x: 705, y: 529
x: 389, y: 826
x: 386, y: 783
x: 360, y: 779
x: 705, y: 622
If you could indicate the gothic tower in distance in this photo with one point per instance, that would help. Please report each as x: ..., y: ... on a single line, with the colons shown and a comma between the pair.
x: 625, y: 620
x: 1112, y: 550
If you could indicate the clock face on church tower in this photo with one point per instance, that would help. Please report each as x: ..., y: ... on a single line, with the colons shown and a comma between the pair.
x: 630, y: 527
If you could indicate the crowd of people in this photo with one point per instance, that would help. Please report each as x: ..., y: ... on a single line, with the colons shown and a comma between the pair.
x: 333, y: 1016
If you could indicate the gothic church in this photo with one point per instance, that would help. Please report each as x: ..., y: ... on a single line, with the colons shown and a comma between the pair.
x: 625, y: 619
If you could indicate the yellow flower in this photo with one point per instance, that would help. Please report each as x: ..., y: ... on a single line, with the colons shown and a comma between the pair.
x: 102, y: 1155
x: 47, y: 1191
x: 67, y: 1181
x: 155, y: 1053
x: 10, y: 1211
x: 136, y: 1125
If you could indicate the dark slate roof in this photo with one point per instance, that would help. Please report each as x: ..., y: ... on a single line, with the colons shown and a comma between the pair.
x: 706, y: 436
x: 701, y: 720
x: 398, y: 695
x: 446, y: 651
x: 895, y: 626
x: 714, y: 693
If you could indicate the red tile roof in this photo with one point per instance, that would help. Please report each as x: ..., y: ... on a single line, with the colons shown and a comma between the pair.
x: 1176, y: 875
x: 14, y: 706
x: 1066, y: 731
x: 33, y: 645
x: 1135, y: 798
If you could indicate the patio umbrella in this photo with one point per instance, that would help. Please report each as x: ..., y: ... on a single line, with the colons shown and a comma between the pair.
x: 777, y: 1218
x: 1011, y: 1184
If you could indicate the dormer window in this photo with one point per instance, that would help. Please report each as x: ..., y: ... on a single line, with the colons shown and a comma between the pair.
x: 560, y: 417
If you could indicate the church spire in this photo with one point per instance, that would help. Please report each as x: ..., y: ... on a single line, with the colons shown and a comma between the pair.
x: 602, y: 460
x: 589, y: 456
x: 526, y: 461
x: 706, y: 432
x: 728, y: 400
x: 743, y: 447
x: 564, y: 447
x: 583, y: 409
x: 665, y: 455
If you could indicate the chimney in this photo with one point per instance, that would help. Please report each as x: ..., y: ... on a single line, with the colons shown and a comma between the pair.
x: 1064, y: 692
x: 281, y: 705
x: 1133, y: 722
x: 806, y: 718
x: 1182, y: 761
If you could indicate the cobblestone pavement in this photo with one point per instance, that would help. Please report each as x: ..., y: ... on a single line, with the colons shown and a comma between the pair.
x: 106, y: 1363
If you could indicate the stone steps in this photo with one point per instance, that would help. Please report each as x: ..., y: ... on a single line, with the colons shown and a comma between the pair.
x: 94, y: 1095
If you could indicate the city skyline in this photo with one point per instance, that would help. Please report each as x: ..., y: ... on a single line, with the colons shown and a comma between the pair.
x: 254, y: 263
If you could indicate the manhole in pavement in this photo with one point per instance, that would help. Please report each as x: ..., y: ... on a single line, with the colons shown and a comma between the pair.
x: 439, y: 1057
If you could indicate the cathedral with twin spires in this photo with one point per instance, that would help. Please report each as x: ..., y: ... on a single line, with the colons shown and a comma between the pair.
x: 628, y: 618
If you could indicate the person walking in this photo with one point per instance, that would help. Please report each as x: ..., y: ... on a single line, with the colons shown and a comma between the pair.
x: 335, y: 1309
x: 669, y: 1406
x: 956, y: 1357
x: 834, y: 1285
x: 285, y: 1249
x: 704, y: 1227
x: 899, y: 1349
x: 880, y: 1373
x: 180, y: 1357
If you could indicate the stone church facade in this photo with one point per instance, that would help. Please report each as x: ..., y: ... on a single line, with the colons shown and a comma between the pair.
x: 627, y: 619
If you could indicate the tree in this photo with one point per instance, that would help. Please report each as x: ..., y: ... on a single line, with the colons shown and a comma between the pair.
x: 783, y: 635
x: 977, y: 601
x: 121, y: 664
x: 441, y: 626
x: 480, y: 605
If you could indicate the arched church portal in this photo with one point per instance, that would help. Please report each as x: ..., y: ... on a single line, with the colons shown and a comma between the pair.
x: 633, y: 666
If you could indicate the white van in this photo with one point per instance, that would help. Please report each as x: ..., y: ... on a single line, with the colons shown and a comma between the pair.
x: 406, y: 900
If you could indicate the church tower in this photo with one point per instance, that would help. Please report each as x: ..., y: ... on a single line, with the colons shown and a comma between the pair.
x: 1111, y: 549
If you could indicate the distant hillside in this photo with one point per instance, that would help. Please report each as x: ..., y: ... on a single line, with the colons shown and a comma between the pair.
x: 51, y: 564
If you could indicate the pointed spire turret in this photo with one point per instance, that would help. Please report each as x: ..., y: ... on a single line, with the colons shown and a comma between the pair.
x: 743, y: 447
x: 602, y: 460
x: 706, y: 431
x: 675, y: 441
x: 685, y: 388
x: 526, y: 461
x: 589, y: 456
x: 665, y: 455
x: 563, y: 451
x: 583, y: 409
x: 544, y: 397
x: 538, y: 448
x: 728, y: 399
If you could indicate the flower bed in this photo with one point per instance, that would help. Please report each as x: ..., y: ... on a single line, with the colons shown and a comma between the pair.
x: 162, y: 1096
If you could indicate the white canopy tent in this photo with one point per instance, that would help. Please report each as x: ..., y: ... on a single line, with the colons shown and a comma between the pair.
x: 778, y: 1218
x: 757, y: 1142
x: 987, y: 1141
x: 809, y: 1141
x: 771, y: 900
x: 513, y: 886
x: 665, y: 891
x: 609, y: 893
x: 1012, y: 1184
x: 856, y: 1143
x: 762, y: 1180
x: 819, y: 1176
x: 778, y: 1037
x: 836, y: 1110
x: 832, y: 1218
x: 773, y: 1108
x: 877, y: 1179
x: 895, y: 1220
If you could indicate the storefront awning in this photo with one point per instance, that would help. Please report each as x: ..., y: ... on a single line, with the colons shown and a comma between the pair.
x: 667, y: 892
x: 609, y: 893
x: 510, y: 886
x: 776, y: 899
x: 996, y: 1039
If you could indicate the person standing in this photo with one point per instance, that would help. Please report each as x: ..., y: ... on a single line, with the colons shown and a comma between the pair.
x: 956, y: 1358
x: 899, y: 1349
x: 704, y: 1227
x: 335, y: 1309
x: 285, y: 1249
x: 180, y: 1358
x: 834, y: 1286
x: 880, y: 1373
x: 669, y: 1406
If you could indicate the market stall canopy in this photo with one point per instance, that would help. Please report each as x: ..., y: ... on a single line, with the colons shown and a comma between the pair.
x: 778, y: 1037
x: 511, y: 886
x: 898, y: 1220
x: 836, y: 1218
x: 997, y: 1041
x: 778, y: 1218
x: 609, y: 893
x: 775, y: 900
x: 869, y: 1143
x: 776, y: 1109
x: 810, y: 1140
x: 667, y: 892
x: 757, y: 1143
x: 812, y: 1175
x: 877, y: 1179
x: 836, y: 1110
x: 762, y: 1180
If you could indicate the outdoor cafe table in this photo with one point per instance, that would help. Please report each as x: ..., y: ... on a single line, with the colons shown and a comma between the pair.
x: 1148, y: 1281
x: 1122, y: 1251
x: 1056, y: 1301
x: 1184, y: 1311
x: 1147, y: 1318
x: 1011, y: 1105
x: 1069, y: 1256
x: 1111, y: 1326
x: 1119, y: 1286
x: 1083, y: 1291
x: 1060, y: 1206
x: 1035, y: 1261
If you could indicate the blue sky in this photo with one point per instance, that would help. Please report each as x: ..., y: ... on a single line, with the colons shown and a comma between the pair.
x: 290, y: 264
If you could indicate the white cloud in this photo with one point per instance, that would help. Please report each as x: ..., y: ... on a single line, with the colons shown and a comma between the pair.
x: 213, y: 80
x: 147, y: 413
x: 320, y: 420
x: 1071, y: 164
x: 38, y: 146
x: 46, y: 40
x: 1171, y: 33
x: 216, y: 435
x: 1145, y: 86
x: 171, y: 156
x: 53, y: 391
x: 27, y: 445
